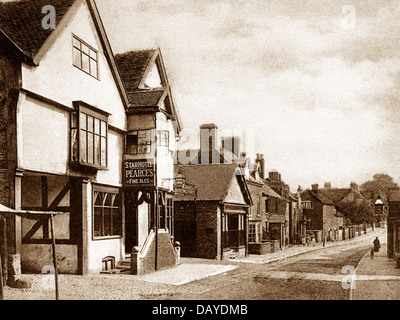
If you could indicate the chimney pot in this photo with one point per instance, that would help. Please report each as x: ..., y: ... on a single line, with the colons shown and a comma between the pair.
x: 208, y: 144
x: 314, y: 187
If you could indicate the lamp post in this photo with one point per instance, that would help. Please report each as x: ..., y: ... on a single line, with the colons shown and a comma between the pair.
x: 379, y: 208
x: 323, y: 232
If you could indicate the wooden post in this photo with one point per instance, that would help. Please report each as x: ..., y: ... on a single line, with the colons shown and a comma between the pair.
x: 1, y: 280
x: 54, y: 255
x: 3, y: 256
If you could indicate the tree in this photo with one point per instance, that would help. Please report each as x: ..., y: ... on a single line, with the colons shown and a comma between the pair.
x: 381, y: 184
x: 358, y: 211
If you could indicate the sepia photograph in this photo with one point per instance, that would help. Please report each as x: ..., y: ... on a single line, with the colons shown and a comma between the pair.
x: 199, y: 157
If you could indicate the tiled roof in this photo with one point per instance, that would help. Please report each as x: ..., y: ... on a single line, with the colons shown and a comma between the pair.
x: 268, y: 191
x: 132, y: 65
x: 145, y: 98
x: 394, y: 196
x: 212, y: 181
x: 336, y: 194
x: 321, y: 197
x: 21, y: 22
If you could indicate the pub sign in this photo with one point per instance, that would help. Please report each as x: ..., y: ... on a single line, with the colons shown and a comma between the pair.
x: 139, y: 173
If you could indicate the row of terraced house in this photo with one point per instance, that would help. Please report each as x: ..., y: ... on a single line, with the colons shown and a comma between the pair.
x: 92, y: 136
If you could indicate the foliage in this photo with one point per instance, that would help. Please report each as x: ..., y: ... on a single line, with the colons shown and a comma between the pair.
x: 358, y: 211
x: 381, y: 184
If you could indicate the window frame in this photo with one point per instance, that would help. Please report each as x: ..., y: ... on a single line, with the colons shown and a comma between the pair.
x: 76, y: 130
x: 91, y: 49
x: 303, y: 203
x: 160, y: 138
x: 149, y: 142
x: 106, y: 190
x: 251, y: 225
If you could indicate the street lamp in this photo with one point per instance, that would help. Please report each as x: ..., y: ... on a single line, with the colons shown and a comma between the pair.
x: 379, y: 205
x: 323, y: 232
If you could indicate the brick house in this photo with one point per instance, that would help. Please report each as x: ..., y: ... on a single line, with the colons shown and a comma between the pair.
x: 393, y: 225
x: 321, y: 214
x: 279, y: 221
x: 212, y: 222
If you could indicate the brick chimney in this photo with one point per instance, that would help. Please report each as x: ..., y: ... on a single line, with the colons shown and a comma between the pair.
x: 314, y: 187
x: 208, y: 144
x: 260, y: 160
x: 274, y: 176
x: 354, y: 186
x: 327, y: 186
x: 232, y: 144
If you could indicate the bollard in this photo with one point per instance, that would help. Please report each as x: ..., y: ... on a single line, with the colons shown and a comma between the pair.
x: 135, y: 261
x: 177, y: 248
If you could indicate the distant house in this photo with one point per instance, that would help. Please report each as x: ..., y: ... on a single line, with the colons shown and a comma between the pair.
x: 279, y: 208
x: 343, y: 195
x: 211, y: 220
x: 321, y: 214
x: 393, y: 224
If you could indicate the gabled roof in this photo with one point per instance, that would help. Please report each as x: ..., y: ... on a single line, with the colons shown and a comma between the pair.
x: 268, y: 191
x: 133, y: 67
x: 320, y: 197
x: 212, y: 181
x: 21, y: 22
x: 145, y: 98
x: 337, y: 194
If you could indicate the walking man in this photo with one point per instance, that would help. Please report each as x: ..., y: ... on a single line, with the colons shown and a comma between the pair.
x: 377, y: 244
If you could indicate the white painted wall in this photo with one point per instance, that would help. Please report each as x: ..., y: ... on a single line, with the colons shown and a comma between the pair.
x: 165, y: 161
x: 57, y: 79
x: 143, y: 223
x: 99, y: 249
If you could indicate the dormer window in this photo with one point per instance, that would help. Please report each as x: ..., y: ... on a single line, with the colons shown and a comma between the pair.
x: 85, y: 57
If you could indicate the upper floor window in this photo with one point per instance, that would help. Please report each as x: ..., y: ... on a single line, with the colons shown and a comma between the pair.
x: 85, y: 57
x: 139, y: 142
x: 89, y: 137
x: 308, y: 205
x: 163, y: 138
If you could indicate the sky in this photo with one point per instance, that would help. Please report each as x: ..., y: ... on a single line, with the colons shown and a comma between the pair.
x: 313, y: 85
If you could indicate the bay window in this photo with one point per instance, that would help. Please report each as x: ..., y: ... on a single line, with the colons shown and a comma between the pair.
x: 89, y: 136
